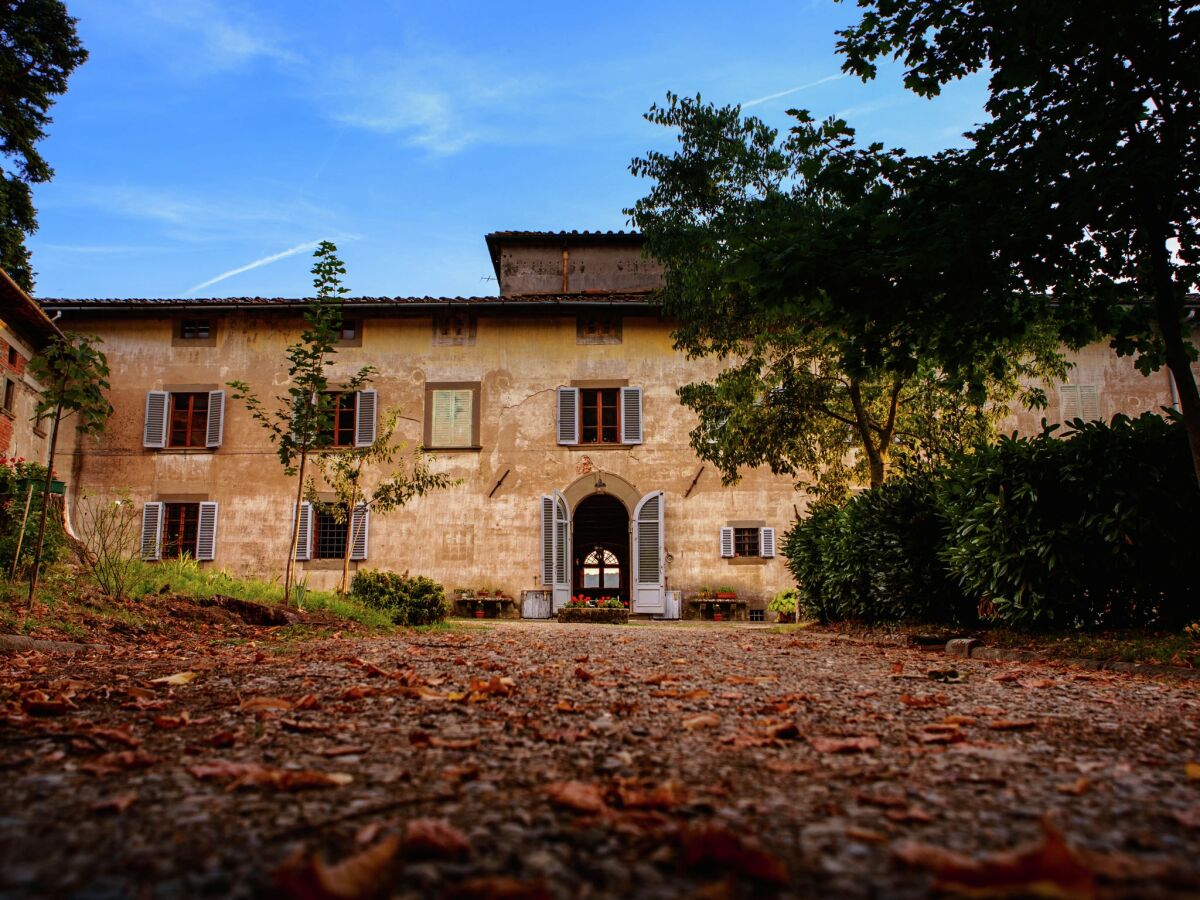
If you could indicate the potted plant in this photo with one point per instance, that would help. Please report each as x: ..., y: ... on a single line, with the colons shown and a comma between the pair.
x: 704, y: 593
x: 725, y: 592
x: 479, y: 613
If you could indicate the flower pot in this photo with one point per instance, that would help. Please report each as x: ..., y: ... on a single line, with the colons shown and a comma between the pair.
x: 479, y: 613
x: 726, y: 596
x: 718, y: 617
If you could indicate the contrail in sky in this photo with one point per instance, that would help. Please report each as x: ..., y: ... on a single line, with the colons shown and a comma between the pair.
x: 299, y: 248
x: 793, y: 90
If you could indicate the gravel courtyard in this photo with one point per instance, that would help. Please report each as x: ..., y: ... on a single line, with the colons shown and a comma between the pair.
x: 546, y: 760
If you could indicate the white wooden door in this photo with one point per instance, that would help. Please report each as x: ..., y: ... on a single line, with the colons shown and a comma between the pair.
x: 648, y: 555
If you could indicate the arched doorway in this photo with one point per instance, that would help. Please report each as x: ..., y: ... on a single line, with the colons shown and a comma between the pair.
x: 600, y: 548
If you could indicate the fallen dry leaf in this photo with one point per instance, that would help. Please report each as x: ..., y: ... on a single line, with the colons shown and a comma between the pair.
x: 843, y: 745
x: 704, y: 720
x: 1048, y: 868
x: 362, y: 875
x: 241, y: 775
x: 1078, y: 787
x: 434, y: 839
x: 1192, y: 771
x: 117, y: 803
x: 577, y: 795
x: 179, y: 678
x: 717, y: 847
x: 1012, y: 724
x: 261, y: 704
x: 497, y: 887
x: 111, y: 763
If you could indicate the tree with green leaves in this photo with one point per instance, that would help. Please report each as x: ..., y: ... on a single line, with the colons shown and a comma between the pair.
x: 301, y: 420
x: 823, y: 277
x: 346, y: 471
x: 1090, y: 154
x: 39, y: 50
x: 73, y: 374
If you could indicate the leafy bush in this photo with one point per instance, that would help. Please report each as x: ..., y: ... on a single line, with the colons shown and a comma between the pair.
x: 15, y: 475
x: 410, y: 601
x: 1094, y: 530
x: 1086, y: 531
x: 109, y: 531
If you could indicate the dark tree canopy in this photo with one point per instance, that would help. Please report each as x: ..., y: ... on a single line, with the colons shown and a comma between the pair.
x: 39, y: 50
x: 1092, y: 146
x: 843, y: 295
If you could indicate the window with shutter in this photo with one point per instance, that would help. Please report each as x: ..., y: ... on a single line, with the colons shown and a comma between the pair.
x: 180, y: 530
x: 206, y: 534
x: 1080, y: 401
x: 366, y: 417
x: 304, y: 532
x: 766, y: 543
x: 631, y: 415
x: 152, y: 530
x: 154, y: 434
x: 452, y: 415
x: 215, y: 430
x: 727, y: 543
x: 568, y: 415
x: 360, y: 532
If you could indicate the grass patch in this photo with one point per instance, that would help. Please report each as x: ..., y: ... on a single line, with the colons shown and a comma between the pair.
x: 1158, y: 648
x: 789, y: 628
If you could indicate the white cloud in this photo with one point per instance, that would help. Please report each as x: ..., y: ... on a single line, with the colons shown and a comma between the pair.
x: 258, y: 263
x: 802, y: 87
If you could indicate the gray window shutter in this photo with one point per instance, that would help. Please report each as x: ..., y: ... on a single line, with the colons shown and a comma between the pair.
x: 365, y: 417
x: 152, y: 516
x: 766, y: 542
x: 548, y: 541
x: 360, y: 529
x: 631, y: 415
x: 206, y: 532
x: 568, y: 415
x: 1089, y: 402
x: 155, y: 432
x: 216, y: 419
x: 304, y: 536
x: 726, y: 543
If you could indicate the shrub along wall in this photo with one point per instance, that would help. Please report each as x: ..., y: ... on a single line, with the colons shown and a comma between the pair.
x: 410, y: 601
x: 1094, y: 529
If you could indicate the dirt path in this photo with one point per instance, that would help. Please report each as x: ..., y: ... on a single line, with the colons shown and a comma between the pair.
x: 584, y: 760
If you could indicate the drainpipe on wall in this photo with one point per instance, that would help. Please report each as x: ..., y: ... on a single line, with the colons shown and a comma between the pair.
x: 566, y: 255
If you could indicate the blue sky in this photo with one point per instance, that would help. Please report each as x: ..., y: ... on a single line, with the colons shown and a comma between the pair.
x: 203, y: 137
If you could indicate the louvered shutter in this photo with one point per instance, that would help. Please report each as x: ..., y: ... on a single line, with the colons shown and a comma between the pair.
x: 155, y: 432
x: 568, y: 415
x: 1089, y: 402
x: 631, y: 415
x: 548, y: 542
x: 726, y: 543
x: 360, y: 528
x: 206, y: 532
x: 215, y: 432
x: 365, y: 418
x: 152, y: 516
x: 451, y: 419
x: 648, y: 574
x: 304, y: 535
x: 766, y: 542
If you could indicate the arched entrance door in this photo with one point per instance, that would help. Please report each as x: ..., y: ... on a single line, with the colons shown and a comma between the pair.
x: 600, y: 548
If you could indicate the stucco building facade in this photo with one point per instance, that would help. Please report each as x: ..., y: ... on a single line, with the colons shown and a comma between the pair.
x: 552, y: 404
x: 25, y: 329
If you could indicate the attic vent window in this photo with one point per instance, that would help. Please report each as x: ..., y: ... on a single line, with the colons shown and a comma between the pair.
x: 453, y: 329
x: 195, y: 329
x: 598, y: 328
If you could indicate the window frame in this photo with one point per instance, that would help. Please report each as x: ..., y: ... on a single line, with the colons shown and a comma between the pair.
x: 431, y: 387
x: 202, y: 428
x: 743, y: 534
x: 180, y: 339
x: 165, y: 542
x: 10, y: 396
x: 599, y: 393
x: 321, y: 514
x: 337, y: 427
x: 614, y: 334
x: 441, y: 337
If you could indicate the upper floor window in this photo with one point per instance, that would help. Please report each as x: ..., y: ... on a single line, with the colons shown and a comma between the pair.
x: 12, y: 357
x: 184, y: 419
x: 195, y: 329
x: 189, y: 420
x: 600, y: 415
x: 600, y: 327
x: 350, y: 333
x: 454, y: 328
x: 747, y: 542
x: 343, y: 416
x: 10, y: 394
x: 452, y: 416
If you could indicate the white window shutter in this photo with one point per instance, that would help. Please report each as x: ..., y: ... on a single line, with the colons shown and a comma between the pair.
x: 726, y: 543
x: 547, y: 541
x: 631, y: 415
x: 1089, y: 402
x: 568, y: 415
x: 365, y: 418
x: 206, y: 531
x: 304, y: 535
x: 766, y: 542
x: 360, y: 529
x: 152, y: 516
x: 216, y: 419
x: 155, y: 432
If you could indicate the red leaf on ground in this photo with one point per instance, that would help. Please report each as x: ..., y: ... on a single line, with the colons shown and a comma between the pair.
x: 583, y: 674
x: 497, y: 887
x: 38, y: 703
x: 1050, y: 867
x: 1012, y: 724
x: 345, y: 750
x: 717, y: 847
x: 111, y: 763
x: 357, y: 877
x: 704, y: 720
x: 434, y: 839
x: 262, y: 704
x: 667, y: 795
x: 114, y: 735
x: 170, y: 722
x: 248, y: 774
x: 577, y: 795
x: 117, y: 803
x: 843, y: 745
x: 923, y: 701
x: 359, y: 691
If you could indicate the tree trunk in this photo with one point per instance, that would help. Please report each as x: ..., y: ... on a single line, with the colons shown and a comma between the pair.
x: 41, y: 538
x: 290, y: 565
x: 1167, y: 313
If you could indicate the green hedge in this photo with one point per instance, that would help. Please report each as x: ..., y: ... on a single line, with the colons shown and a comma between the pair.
x: 410, y: 601
x: 1089, y: 530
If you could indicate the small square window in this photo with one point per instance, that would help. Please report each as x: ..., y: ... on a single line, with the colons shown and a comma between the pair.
x: 12, y: 357
x: 349, y: 331
x: 758, y: 615
x: 10, y: 393
x: 454, y: 328
x: 745, y: 542
x: 600, y: 327
x: 195, y: 329
x: 452, y: 416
